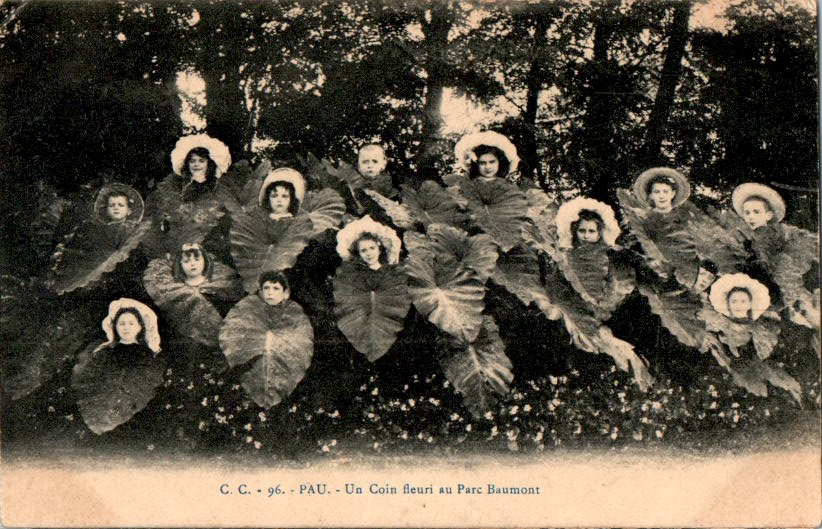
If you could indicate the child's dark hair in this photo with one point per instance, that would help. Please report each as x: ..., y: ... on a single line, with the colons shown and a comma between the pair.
x: 708, y: 266
x: 589, y: 215
x: 740, y: 289
x: 211, y: 170
x: 141, y: 336
x: 354, y: 251
x: 661, y: 179
x: 177, y: 268
x: 273, y: 277
x: 293, y: 203
x: 760, y: 198
x: 504, y: 163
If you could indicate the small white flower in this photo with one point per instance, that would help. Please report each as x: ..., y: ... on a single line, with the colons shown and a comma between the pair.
x: 258, y: 445
x: 658, y: 434
x: 262, y: 417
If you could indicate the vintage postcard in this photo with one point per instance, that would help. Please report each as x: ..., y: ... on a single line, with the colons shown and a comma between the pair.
x: 372, y: 263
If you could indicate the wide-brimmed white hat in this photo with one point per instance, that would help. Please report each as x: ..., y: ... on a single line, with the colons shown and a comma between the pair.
x: 283, y: 174
x: 743, y: 192
x: 674, y: 177
x: 760, y: 297
x: 568, y: 213
x: 353, y: 230
x: 136, y: 206
x: 146, y: 314
x: 464, y: 149
x: 217, y: 151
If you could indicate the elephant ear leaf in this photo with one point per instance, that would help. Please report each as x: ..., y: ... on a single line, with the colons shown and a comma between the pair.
x: 635, y: 215
x: 448, y: 294
x: 498, y: 208
x: 477, y: 252
x: 259, y: 244
x: 432, y: 203
x: 109, y: 391
x: 324, y: 208
x: 765, y: 337
x: 276, y: 343
x: 240, y: 186
x: 518, y: 272
x: 370, y: 310
x: 189, y: 312
x: 92, y: 251
x: 479, y: 370
x: 679, y: 314
x: 399, y: 213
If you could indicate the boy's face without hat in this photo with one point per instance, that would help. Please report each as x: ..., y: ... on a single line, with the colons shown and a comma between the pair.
x: 704, y: 278
x: 117, y: 208
x: 273, y: 293
x: 371, y: 161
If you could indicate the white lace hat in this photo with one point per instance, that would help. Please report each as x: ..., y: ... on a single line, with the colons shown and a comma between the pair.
x: 353, y: 230
x: 760, y: 297
x: 283, y: 174
x: 146, y: 314
x: 464, y: 149
x: 217, y: 150
x: 568, y: 213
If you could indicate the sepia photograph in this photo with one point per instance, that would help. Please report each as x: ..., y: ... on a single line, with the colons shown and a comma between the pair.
x: 405, y: 263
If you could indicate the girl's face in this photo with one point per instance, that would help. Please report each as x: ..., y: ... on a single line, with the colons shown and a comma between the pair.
x: 756, y: 213
x: 117, y: 208
x: 279, y: 199
x: 662, y: 196
x: 739, y: 304
x: 371, y: 162
x: 704, y: 278
x: 197, y: 164
x: 369, y: 251
x: 488, y: 165
x: 273, y: 293
x: 128, y: 328
x: 588, y: 232
x: 192, y: 265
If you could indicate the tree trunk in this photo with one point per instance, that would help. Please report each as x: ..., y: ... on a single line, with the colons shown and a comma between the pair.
x: 530, y: 166
x: 671, y: 71
x: 436, y: 66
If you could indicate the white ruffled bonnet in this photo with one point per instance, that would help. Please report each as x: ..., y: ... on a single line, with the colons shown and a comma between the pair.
x: 217, y: 150
x: 152, y: 335
x: 569, y: 213
x: 464, y: 149
x: 353, y: 230
x: 760, y: 297
x: 283, y: 174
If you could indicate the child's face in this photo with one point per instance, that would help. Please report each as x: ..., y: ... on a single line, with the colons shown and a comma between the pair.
x: 369, y: 252
x: 197, y: 164
x: 117, y: 208
x: 279, y: 199
x: 662, y: 196
x: 273, y: 293
x: 756, y: 213
x: 192, y: 265
x: 739, y: 304
x: 588, y: 232
x: 488, y: 165
x: 128, y: 327
x: 371, y: 161
x: 703, y: 280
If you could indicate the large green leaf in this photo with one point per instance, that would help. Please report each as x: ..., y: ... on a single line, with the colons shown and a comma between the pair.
x: 324, y: 208
x: 259, y: 244
x: 432, y: 203
x: 277, y: 343
x: 399, y: 213
x: 188, y: 310
x: 240, y: 186
x: 370, y: 307
x: 448, y: 294
x: 93, y: 250
x: 110, y: 389
x: 479, y: 370
x: 518, y: 272
x: 477, y: 252
x: 736, y: 334
x: 679, y: 313
x: 498, y: 208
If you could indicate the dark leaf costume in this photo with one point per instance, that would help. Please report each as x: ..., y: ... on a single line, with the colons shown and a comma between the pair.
x: 96, y: 248
x: 275, y: 343
x: 189, y: 308
x: 370, y: 306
